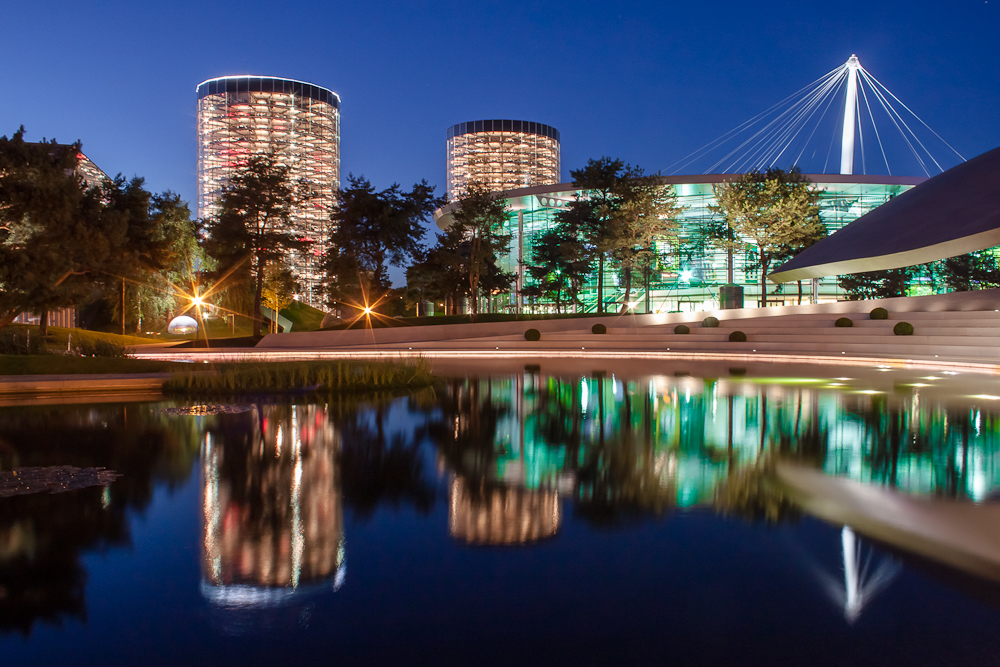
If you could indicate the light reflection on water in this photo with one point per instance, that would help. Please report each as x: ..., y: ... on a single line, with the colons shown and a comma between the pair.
x: 696, y: 431
x: 514, y: 459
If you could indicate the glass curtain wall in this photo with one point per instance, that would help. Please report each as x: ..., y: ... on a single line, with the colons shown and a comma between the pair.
x: 502, y: 154
x: 690, y: 271
x: 300, y: 124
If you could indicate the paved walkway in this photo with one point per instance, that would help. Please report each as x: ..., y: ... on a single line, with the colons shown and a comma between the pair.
x: 17, y: 385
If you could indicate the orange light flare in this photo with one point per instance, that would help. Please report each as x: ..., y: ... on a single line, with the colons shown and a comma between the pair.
x: 367, y: 311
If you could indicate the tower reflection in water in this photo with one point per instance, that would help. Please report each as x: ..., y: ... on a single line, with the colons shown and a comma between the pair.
x: 502, y: 515
x: 272, y: 508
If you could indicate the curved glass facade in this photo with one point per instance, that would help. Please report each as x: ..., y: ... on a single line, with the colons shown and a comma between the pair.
x: 690, y: 271
x: 300, y: 123
x: 502, y: 155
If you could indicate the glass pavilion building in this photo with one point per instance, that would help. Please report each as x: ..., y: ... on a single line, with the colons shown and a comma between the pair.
x: 299, y: 122
x: 691, y: 271
x: 502, y: 155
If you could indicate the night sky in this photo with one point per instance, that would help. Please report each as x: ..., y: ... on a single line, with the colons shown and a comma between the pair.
x: 644, y: 81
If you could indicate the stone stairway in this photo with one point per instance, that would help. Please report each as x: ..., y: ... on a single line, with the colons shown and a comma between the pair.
x: 962, y: 326
x: 964, y: 335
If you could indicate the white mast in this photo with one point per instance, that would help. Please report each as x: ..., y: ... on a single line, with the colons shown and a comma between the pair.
x: 852, y: 580
x: 847, y: 146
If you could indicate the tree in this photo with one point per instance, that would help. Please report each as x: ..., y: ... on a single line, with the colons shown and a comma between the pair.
x: 374, y: 230
x: 159, y: 297
x: 975, y: 270
x: 476, y: 241
x: 438, y: 273
x: 253, y: 223
x: 647, y: 212
x: 279, y: 288
x: 145, y: 250
x: 46, y: 234
x: 768, y: 213
x: 811, y: 235
x: 58, y: 238
x: 875, y: 284
x: 560, y: 269
x: 619, y: 213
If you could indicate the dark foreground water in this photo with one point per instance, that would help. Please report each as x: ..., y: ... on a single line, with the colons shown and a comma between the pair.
x: 592, y: 518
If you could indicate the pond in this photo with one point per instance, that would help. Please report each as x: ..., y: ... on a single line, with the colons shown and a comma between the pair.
x: 541, y: 514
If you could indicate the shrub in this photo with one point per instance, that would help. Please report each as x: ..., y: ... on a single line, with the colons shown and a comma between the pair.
x: 598, y: 329
x: 843, y: 322
x: 903, y: 329
x: 100, y: 348
x: 879, y: 314
x: 532, y: 334
x: 682, y: 329
x: 20, y: 341
x: 710, y: 322
x: 737, y: 337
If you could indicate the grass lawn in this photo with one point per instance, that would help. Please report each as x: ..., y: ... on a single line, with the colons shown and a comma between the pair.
x: 303, y: 316
x: 58, y: 336
x: 55, y: 364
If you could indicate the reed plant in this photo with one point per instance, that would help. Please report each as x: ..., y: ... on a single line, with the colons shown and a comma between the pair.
x: 254, y: 377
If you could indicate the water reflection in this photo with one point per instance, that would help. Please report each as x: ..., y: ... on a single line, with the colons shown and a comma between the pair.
x: 502, y: 515
x: 273, y: 515
x: 42, y: 536
x: 621, y: 447
x: 519, y: 457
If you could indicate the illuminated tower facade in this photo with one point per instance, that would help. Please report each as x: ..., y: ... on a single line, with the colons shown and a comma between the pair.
x: 502, y: 155
x: 299, y: 123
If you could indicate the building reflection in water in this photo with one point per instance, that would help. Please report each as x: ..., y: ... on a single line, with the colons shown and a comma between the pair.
x: 502, y: 515
x: 273, y: 516
x: 605, y: 436
x: 629, y: 449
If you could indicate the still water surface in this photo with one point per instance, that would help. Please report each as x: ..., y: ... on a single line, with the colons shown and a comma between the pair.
x: 609, y: 517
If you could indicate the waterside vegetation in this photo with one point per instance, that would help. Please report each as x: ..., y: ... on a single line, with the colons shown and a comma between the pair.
x: 301, y: 377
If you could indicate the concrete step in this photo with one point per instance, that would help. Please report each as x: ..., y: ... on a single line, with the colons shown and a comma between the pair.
x: 857, y: 337
x: 927, y: 337
x: 986, y: 353
x: 928, y: 344
x: 800, y: 323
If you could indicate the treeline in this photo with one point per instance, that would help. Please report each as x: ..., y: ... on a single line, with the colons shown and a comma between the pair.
x: 64, y: 242
x: 139, y: 258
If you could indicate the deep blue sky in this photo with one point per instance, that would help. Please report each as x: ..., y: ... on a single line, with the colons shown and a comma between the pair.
x: 645, y: 81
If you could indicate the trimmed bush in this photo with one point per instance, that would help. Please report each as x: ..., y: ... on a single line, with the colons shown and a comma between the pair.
x: 903, y: 329
x: 843, y: 322
x: 737, y: 337
x: 598, y: 329
x: 879, y: 314
x: 532, y: 334
x: 710, y: 322
x: 682, y: 329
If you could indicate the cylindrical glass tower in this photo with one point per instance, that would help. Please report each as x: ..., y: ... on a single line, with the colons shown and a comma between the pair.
x: 300, y: 124
x: 502, y: 155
